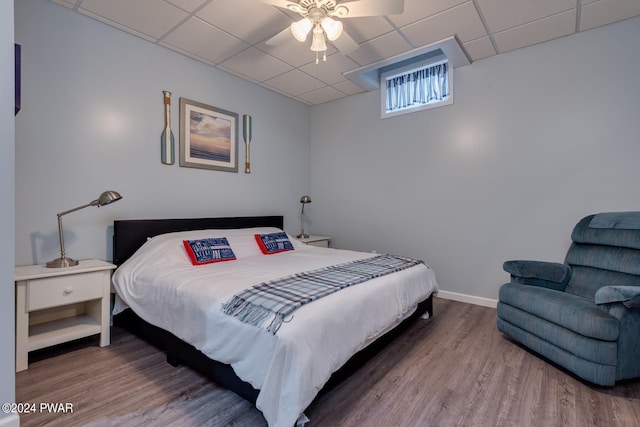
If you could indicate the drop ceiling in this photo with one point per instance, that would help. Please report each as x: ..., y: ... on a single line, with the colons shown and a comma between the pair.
x: 230, y: 34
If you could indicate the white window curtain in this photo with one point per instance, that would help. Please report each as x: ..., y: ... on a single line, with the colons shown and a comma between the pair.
x: 418, y: 88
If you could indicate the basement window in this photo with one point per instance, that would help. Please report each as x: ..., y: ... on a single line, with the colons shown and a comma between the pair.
x: 416, y: 87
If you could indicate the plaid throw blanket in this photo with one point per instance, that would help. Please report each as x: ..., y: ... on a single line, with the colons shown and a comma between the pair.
x: 268, y: 304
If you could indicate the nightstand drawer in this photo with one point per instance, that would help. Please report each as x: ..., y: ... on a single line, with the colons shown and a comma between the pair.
x: 55, y: 291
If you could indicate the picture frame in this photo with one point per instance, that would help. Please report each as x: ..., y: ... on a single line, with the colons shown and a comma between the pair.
x: 18, y: 71
x: 208, y: 137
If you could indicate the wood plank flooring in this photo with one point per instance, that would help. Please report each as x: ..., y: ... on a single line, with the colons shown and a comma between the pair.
x: 455, y: 369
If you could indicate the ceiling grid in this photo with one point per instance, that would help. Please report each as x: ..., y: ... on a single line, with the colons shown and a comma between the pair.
x: 233, y: 35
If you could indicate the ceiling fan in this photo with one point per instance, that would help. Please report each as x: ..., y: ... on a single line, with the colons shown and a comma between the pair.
x: 317, y: 19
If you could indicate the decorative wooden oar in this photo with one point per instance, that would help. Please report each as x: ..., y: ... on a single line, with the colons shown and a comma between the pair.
x: 166, y: 139
x: 246, y: 133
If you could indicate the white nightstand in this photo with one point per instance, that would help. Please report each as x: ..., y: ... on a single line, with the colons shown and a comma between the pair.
x: 320, y: 241
x: 56, y: 305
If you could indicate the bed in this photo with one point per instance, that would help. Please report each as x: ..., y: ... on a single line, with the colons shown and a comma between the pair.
x: 162, y: 297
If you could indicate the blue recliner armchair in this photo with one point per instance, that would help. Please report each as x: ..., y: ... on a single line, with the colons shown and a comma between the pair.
x: 584, y: 315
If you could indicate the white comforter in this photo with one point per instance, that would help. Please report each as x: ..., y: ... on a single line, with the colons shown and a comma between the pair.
x: 162, y: 286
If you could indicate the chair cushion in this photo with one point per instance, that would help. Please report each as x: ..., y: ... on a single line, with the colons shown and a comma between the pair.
x: 627, y: 238
x: 601, y: 256
x: 621, y: 220
x: 573, y: 312
x: 609, y: 258
x: 585, y: 281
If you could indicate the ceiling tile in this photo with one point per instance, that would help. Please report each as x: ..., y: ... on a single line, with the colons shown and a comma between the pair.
x: 330, y: 71
x: 321, y: 95
x: 604, y: 12
x: 416, y: 10
x: 294, y: 82
x: 65, y: 3
x: 364, y: 29
x: 479, y: 48
x: 188, y: 54
x: 462, y: 21
x: 201, y: 39
x: 536, y: 32
x: 256, y: 65
x: 135, y: 14
x: 348, y: 87
x: 249, y: 20
x: 385, y: 46
x: 118, y: 26
x: 503, y: 14
x: 188, y: 5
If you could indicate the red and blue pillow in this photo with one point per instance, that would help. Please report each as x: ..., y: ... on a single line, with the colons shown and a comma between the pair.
x: 273, y: 243
x: 206, y: 251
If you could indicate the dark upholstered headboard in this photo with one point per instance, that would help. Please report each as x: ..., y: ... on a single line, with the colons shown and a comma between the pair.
x: 129, y: 235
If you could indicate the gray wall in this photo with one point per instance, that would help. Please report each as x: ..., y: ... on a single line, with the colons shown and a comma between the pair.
x: 7, y: 331
x: 536, y: 139
x: 93, y: 114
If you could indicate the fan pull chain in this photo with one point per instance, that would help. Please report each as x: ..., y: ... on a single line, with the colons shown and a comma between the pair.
x: 324, y: 57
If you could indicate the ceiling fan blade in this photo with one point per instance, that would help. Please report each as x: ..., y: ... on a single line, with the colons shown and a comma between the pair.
x: 345, y: 43
x: 280, y: 38
x: 359, y: 8
x: 293, y: 6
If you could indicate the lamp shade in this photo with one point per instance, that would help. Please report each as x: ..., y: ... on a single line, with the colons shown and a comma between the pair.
x: 301, y: 28
x: 108, y: 197
x: 305, y: 199
x: 332, y: 28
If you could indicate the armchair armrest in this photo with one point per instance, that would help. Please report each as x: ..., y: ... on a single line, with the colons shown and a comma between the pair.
x: 627, y: 295
x: 550, y: 275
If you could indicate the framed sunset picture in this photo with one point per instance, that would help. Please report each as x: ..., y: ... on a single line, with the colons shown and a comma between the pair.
x: 208, y: 137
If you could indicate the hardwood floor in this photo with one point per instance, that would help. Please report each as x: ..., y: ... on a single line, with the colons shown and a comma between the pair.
x: 455, y: 369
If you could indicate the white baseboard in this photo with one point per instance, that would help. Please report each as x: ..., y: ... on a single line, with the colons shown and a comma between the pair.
x: 12, y: 420
x: 469, y: 299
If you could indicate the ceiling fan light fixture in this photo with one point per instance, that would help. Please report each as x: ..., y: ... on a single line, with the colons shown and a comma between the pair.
x: 301, y: 28
x: 323, y: 18
x: 332, y: 28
